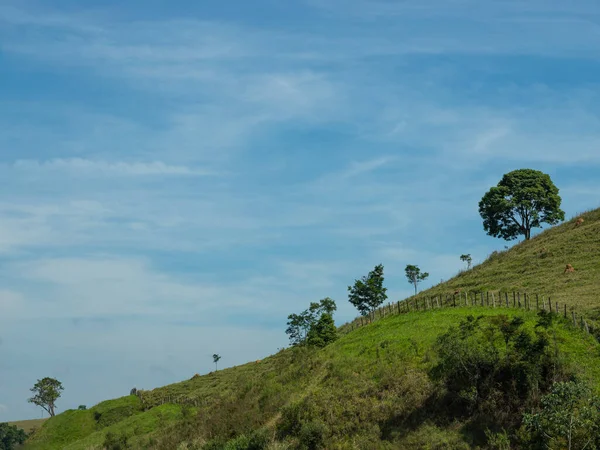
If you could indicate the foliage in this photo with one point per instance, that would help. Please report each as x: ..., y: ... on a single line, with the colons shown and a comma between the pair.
x: 47, y: 391
x: 82, y: 407
x: 569, y: 418
x: 115, y: 442
x: 414, y: 275
x: 10, y: 436
x: 312, y: 435
x: 467, y: 259
x: 368, y: 293
x: 323, y: 332
x: 216, y: 359
x: 484, y: 383
x: 313, y: 325
x: 522, y: 200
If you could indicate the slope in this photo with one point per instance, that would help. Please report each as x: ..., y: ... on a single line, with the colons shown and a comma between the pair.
x: 538, y: 266
x: 373, y: 388
x: 364, y: 389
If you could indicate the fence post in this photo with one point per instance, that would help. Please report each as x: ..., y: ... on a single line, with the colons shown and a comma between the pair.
x: 565, y: 310
x: 537, y: 302
x: 454, y: 300
x: 574, y: 320
x: 519, y: 298
x: 525, y: 304
x: 556, y: 310
x: 506, y: 296
x: 437, y: 301
x: 514, y: 299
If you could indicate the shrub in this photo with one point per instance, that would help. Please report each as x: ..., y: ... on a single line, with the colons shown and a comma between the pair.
x: 312, y: 435
x: 113, y: 441
x: 82, y: 408
x: 492, y: 373
x: 569, y: 418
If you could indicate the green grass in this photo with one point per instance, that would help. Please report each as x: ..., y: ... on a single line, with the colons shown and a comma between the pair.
x: 371, y: 388
x: 359, y: 383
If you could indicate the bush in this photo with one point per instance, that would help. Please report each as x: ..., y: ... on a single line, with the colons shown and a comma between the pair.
x: 115, y: 442
x: 82, y: 408
x: 492, y: 373
x: 11, y: 436
x: 312, y: 435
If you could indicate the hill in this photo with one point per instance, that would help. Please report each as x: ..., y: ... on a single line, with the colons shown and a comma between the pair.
x: 538, y: 266
x: 389, y: 384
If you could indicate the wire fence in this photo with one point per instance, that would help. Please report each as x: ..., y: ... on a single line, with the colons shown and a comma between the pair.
x: 490, y: 299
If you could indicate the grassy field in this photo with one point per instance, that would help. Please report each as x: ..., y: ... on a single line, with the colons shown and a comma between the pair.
x: 29, y: 425
x: 371, y: 389
x: 537, y: 266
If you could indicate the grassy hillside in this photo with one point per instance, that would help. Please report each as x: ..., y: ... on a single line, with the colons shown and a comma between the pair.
x: 379, y: 386
x: 370, y: 389
x: 538, y: 265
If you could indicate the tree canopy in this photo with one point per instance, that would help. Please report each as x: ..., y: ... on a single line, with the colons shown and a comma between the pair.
x: 315, y: 325
x: 368, y: 293
x: 524, y: 199
x: 415, y: 276
x: 46, y: 392
x: 11, y: 436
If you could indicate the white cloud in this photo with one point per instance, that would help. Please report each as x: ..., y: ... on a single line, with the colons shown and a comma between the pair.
x: 91, y: 167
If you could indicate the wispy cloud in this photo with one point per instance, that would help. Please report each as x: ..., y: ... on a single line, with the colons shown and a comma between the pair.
x: 89, y: 167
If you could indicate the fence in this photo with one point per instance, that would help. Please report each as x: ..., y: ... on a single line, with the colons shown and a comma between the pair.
x: 491, y: 299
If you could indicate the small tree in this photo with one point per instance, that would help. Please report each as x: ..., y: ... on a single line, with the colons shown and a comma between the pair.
x: 300, y: 325
x: 569, y: 418
x: 323, y: 332
x: 467, y: 259
x: 414, y: 275
x: 82, y: 408
x: 216, y: 359
x: 46, y: 391
x: 368, y: 293
x: 522, y: 200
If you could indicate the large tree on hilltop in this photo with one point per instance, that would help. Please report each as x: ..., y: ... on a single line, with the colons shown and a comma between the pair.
x: 522, y: 200
x: 47, y: 391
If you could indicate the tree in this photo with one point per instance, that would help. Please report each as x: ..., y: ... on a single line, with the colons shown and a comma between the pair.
x: 300, y: 325
x: 82, y: 408
x: 467, y: 259
x: 414, y: 275
x: 569, y: 418
x: 46, y: 391
x: 323, y: 332
x: 11, y: 436
x: 368, y: 292
x: 216, y: 359
x: 522, y: 200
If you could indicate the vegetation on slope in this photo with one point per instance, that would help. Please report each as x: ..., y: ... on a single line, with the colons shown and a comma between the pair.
x: 373, y: 388
x: 538, y: 266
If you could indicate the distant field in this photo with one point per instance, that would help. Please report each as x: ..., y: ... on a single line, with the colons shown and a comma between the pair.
x: 29, y: 425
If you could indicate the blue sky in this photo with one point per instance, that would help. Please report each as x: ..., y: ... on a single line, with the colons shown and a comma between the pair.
x: 177, y: 177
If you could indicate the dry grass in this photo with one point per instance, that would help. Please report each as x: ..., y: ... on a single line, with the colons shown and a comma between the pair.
x: 29, y: 425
